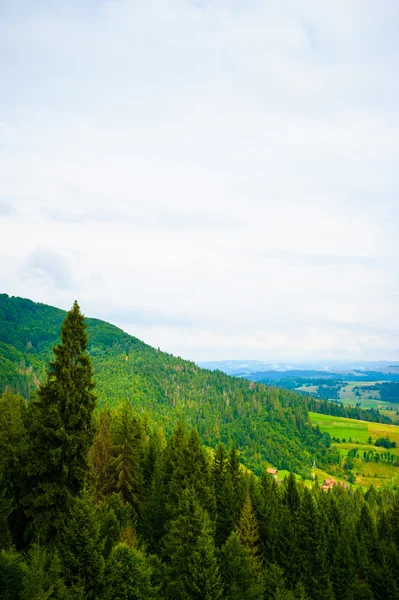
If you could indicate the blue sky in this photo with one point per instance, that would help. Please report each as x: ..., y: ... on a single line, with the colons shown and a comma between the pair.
x: 218, y: 178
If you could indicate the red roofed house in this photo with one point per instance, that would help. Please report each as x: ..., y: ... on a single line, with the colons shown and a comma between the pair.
x: 272, y: 472
x: 328, y: 484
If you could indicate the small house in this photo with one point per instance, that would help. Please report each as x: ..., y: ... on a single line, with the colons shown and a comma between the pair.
x: 328, y: 484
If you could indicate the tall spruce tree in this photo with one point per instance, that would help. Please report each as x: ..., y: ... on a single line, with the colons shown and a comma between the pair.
x: 61, y: 430
x: 189, y: 552
x: 128, y: 575
x: 248, y: 529
x: 101, y: 456
x: 127, y: 470
x: 239, y: 577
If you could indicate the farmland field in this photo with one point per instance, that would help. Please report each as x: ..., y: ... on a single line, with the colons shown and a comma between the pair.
x: 348, y: 395
x: 356, y: 434
x: 357, y: 430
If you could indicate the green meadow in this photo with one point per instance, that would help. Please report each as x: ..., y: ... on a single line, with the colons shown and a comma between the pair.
x: 356, y: 435
x: 340, y: 427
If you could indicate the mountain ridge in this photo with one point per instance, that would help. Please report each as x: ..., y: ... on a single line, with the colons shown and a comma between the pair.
x: 267, y: 424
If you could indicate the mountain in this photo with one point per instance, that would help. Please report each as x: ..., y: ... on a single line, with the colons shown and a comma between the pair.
x: 257, y: 370
x: 266, y: 424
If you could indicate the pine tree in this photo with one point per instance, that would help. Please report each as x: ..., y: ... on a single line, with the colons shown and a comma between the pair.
x: 343, y: 569
x: 394, y: 520
x: 80, y: 547
x: 248, y: 529
x: 101, y: 457
x: 219, y: 476
x: 311, y: 545
x: 291, y: 496
x: 219, y: 468
x: 128, y: 575
x: 61, y: 430
x: 12, y: 446
x: 128, y: 441
x: 152, y: 517
x: 43, y: 576
x: 234, y: 469
x: 198, y: 472
x: 12, y: 573
x: 190, y: 553
x: 267, y: 502
x: 172, y: 472
x: 227, y: 517
x: 240, y: 579
x: 152, y: 452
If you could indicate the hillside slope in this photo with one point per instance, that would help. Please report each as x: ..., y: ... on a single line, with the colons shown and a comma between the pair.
x: 266, y: 424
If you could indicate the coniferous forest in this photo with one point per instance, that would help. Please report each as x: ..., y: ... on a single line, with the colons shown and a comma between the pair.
x: 99, y: 501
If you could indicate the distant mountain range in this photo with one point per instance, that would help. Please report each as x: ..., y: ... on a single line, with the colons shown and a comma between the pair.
x: 257, y: 370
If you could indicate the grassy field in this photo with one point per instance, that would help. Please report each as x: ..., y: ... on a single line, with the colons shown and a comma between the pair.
x: 356, y: 435
x: 357, y: 430
x: 348, y: 395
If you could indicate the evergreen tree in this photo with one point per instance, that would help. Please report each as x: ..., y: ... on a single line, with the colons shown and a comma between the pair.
x: 291, y: 496
x: 173, y: 472
x: 61, y: 430
x: 12, y: 445
x: 343, y: 569
x: 43, y: 576
x: 128, y: 441
x: 128, y: 575
x: 80, y: 548
x: 190, y: 553
x: 394, y: 520
x: 152, y: 453
x: 311, y: 544
x: 152, y: 517
x: 235, y: 471
x: 240, y: 579
x: 249, y: 532
x: 219, y: 468
x: 101, y: 457
x: 226, y: 518
x: 267, y: 502
x: 12, y: 573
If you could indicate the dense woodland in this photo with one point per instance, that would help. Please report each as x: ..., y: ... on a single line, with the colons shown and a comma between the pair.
x: 265, y: 423
x: 98, y: 504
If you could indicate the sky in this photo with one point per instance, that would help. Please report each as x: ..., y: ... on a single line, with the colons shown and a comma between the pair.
x: 219, y: 178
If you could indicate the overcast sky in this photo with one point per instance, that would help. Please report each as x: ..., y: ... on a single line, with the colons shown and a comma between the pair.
x: 219, y: 178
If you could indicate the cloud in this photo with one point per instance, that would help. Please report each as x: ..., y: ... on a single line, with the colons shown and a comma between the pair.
x: 50, y: 268
x: 318, y: 260
x: 228, y: 169
x: 80, y: 217
x: 186, y: 220
x: 154, y: 218
x: 7, y: 209
x: 139, y: 316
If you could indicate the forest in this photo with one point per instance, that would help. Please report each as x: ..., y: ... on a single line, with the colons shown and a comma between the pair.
x: 99, y: 503
x: 267, y: 424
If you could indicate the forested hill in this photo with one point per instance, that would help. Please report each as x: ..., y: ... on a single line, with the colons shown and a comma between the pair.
x: 265, y: 423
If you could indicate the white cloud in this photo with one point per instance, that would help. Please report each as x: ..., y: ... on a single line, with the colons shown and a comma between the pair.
x: 224, y: 164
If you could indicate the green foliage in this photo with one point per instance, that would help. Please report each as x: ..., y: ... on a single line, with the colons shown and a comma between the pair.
x: 117, y: 512
x: 12, y: 573
x: 60, y: 430
x: 240, y: 578
x: 126, y: 467
x: 267, y: 424
x: 128, y: 575
x: 80, y: 548
x: 189, y: 552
